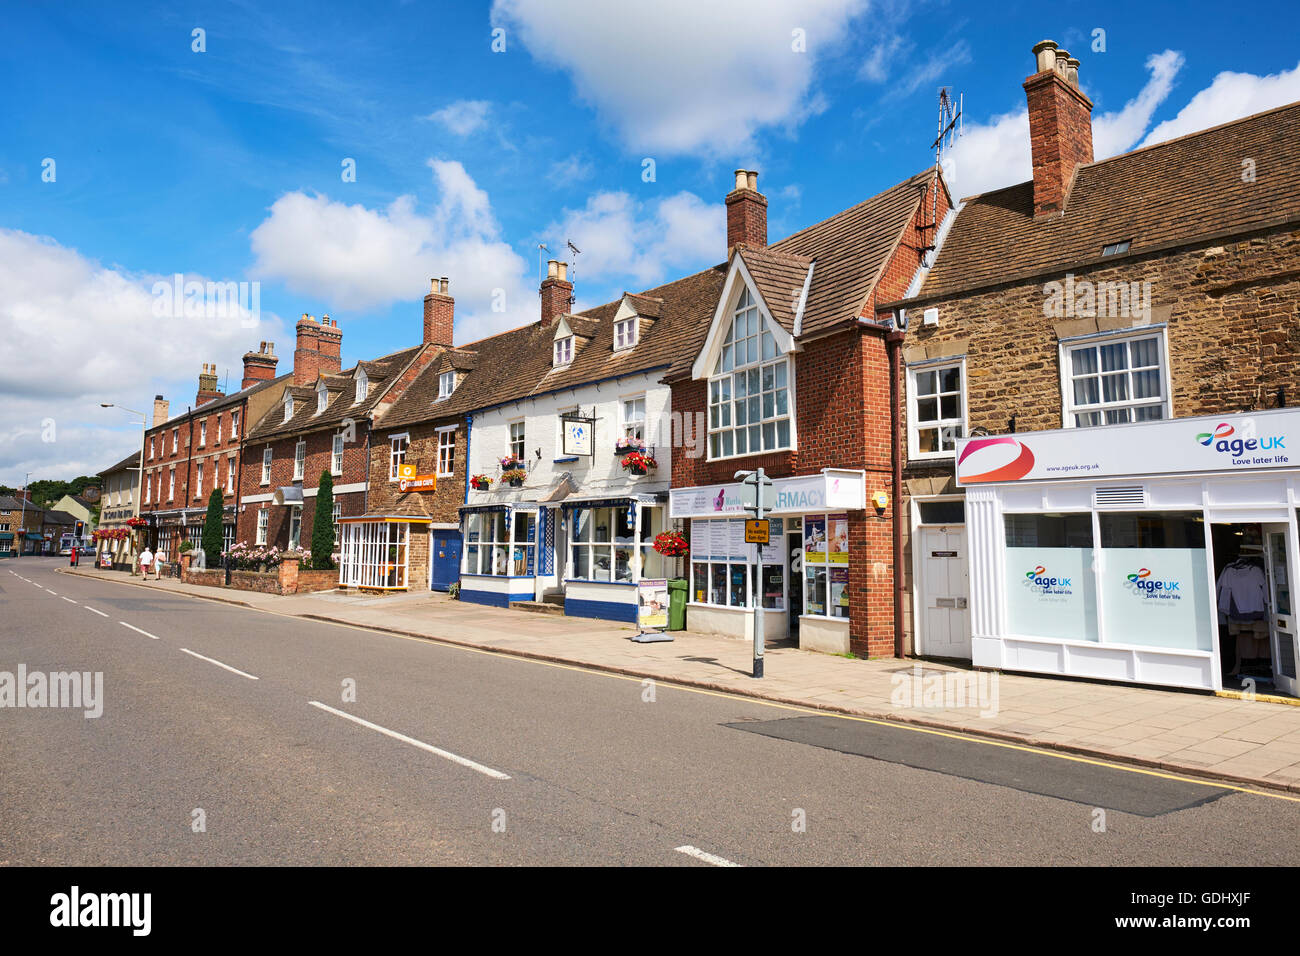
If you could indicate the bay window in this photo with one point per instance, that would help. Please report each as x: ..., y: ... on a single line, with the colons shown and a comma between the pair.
x: 602, y: 541
x: 498, y: 546
x: 749, y: 391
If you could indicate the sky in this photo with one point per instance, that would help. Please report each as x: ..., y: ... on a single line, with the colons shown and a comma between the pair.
x: 336, y: 156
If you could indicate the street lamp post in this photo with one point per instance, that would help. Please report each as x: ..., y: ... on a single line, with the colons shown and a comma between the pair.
x: 22, y: 521
x: 139, y: 471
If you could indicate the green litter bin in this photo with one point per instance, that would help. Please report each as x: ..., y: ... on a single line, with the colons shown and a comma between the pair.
x: 677, y: 604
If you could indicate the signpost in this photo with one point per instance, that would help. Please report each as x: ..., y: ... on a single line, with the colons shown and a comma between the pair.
x: 752, y: 485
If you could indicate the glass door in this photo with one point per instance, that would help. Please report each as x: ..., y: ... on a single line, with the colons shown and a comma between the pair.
x: 1281, y: 623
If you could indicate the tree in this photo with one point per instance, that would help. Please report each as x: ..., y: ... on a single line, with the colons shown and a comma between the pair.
x: 322, y: 525
x: 212, y: 530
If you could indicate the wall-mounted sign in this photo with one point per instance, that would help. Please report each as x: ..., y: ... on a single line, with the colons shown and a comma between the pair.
x: 577, y: 435
x: 405, y: 471
x: 417, y: 482
x: 834, y: 488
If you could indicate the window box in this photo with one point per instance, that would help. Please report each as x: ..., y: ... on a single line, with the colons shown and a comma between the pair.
x: 625, y: 446
x: 481, y: 482
x: 515, y: 476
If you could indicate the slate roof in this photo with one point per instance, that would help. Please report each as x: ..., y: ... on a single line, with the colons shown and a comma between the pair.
x: 517, y: 363
x: 234, y: 398
x: 342, y: 388
x: 1168, y: 193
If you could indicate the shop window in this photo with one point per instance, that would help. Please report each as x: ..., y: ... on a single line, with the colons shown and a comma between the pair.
x: 1150, y: 529
x: 749, y: 395
x: 523, y: 537
x: 1115, y: 382
x: 826, y: 565
x: 942, y: 512
x: 603, y: 540
x: 653, y: 564
x: 494, y: 547
x: 1050, y: 581
x: 725, y: 571
x: 373, y: 554
x: 936, y: 410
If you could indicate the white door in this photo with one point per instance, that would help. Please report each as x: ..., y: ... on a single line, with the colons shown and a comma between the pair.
x: 942, y: 582
x: 1282, y: 622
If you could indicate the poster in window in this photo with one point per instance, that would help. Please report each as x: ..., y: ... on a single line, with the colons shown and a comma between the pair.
x: 737, y: 548
x: 837, y: 539
x: 814, y: 539
x: 839, y: 596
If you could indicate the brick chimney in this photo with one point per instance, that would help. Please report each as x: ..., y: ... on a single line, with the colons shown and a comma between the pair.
x: 439, y: 314
x: 208, y: 391
x: 306, y: 356
x: 160, y: 408
x: 1060, y: 125
x: 259, y: 366
x: 330, y: 346
x: 746, y: 213
x: 557, y: 291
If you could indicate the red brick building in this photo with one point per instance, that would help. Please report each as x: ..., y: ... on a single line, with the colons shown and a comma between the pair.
x: 187, y: 455
x: 323, y: 421
x: 796, y: 376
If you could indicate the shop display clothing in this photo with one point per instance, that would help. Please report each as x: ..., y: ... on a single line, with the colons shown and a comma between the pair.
x: 1242, y: 592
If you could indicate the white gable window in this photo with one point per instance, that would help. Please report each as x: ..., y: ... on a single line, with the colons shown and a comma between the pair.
x: 446, y: 384
x: 363, y: 385
x: 563, y: 351
x: 322, y: 399
x: 625, y: 333
x: 288, y: 405
x: 935, y: 409
x: 1114, y: 381
x: 749, y: 389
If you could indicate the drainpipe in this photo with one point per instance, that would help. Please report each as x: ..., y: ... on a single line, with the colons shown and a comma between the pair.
x: 894, y: 342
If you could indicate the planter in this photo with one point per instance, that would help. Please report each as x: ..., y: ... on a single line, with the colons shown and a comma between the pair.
x: 516, y: 482
x: 480, y: 485
x: 637, y: 470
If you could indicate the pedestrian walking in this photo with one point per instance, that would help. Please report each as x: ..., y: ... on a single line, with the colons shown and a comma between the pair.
x: 146, y: 559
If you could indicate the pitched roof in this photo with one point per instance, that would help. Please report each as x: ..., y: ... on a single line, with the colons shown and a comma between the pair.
x: 342, y: 389
x: 851, y: 250
x: 780, y: 278
x: 130, y: 461
x: 518, y: 363
x: 234, y: 398
x: 1172, y: 192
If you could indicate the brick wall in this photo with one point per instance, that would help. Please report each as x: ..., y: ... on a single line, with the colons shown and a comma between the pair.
x: 441, y: 505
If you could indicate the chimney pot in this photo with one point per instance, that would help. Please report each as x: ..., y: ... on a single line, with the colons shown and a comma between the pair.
x: 742, y: 179
x: 1072, y: 72
x: 434, y: 283
x: 552, y: 268
x: 444, y: 284
x: 751, y: 179
x: 564, y: 272
x: 1045, y: 55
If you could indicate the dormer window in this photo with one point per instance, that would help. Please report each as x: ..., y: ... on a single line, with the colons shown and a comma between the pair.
x: 625, y: 333
x: 288, y: 406
x: 563, y: 351
x: 322, y: 399
x: 446, y: 384
x: 363, y: 385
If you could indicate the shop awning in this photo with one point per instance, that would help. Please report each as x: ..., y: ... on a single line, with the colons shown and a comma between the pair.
x: 34, y: 536
x: 287, y: 495
x: 529, y: 506
x: 6, y: 536
x: 614, y: 502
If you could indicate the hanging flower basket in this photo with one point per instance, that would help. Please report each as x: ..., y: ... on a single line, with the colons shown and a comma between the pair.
x: 672, y: 544
x: 137, y: 522
x: 515, y: 476
x: 639, y: 463
x: 481, y: 482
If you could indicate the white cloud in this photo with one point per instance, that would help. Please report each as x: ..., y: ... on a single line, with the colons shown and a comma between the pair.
x: 464, y: 116
x: 74, y: 333
x: 356, y: 257
x: 1230, y: 96
x: 571, y: 169
x: 681, y: 76
x: 996, y: 154
x: 894, y: 60
x: 621, y: 237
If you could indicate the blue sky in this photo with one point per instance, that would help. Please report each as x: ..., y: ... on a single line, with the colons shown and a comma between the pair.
x: 226, y: 164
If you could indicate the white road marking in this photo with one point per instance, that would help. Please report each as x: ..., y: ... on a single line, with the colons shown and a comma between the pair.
x: 145, y: 633
x: 706, y: 857
x: 69, y: 600
x: 218, y: 663
x: 89, y: 608
x: 454, y: 758
x: 53, y: 592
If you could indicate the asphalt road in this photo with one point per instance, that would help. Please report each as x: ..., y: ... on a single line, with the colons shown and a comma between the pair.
x: 475, y: 758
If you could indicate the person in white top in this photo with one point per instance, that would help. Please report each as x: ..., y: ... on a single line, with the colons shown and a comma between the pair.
x: 146, y: 559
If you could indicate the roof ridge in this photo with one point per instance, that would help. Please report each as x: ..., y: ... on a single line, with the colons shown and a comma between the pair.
x: 857, y: 205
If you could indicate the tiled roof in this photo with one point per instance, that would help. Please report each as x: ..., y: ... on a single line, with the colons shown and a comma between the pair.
x: 1172, y: 192
x: 515, y: 364
x: 130, y: 461
x: 342, y: 403
x: 234, y: 398
x: 851, y: 250
x: 780, y: 278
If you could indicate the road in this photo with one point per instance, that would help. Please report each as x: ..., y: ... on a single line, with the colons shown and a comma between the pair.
x: 468, y: 757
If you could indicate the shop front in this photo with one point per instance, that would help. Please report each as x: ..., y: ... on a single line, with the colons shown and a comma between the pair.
x: 1156, y: 553
x: 801, y: 576
x: 378, y: 552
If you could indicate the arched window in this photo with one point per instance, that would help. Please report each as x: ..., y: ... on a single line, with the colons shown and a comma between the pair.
x: 749, y: 390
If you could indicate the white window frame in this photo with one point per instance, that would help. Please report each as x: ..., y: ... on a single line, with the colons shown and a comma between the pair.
x: 230, y: 475
x: 171, y: 485
x: 148, y: 487
x: 446, y: 384
x: 295, y: 526
x: 362, y: 387
x: 336, y: 454
x: 218, y: 441
x: 336, y: 515
x: 322, y: 399
x: 288, y: 405
x: 563, y: 351
x: 397, y: 453
x: 151, y: 438
x: 234, y: 425
x: 521, y: 441
x: 447, y: 444
x: 727, y: 408
x: 203, y: 433
x: 626, y: 333
x: 1066, y: 348
x: 914, y: 424
x: 266, y: 465
x: 629, y: 424
x: 263, y: 522
x: 198, y: 480
x: 176, y: 440
x: 375, y: 554
x: 299, y: 459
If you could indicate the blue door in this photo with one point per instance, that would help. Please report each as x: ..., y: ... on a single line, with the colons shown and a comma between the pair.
x: 446, y: 559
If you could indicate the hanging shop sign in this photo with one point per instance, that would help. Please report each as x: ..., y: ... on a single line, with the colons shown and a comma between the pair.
x: 577, y: 435
x: 1261, y: 440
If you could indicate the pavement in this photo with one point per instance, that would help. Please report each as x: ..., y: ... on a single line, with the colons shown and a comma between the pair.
x: 1251, y: 742
x: 232, y: 735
